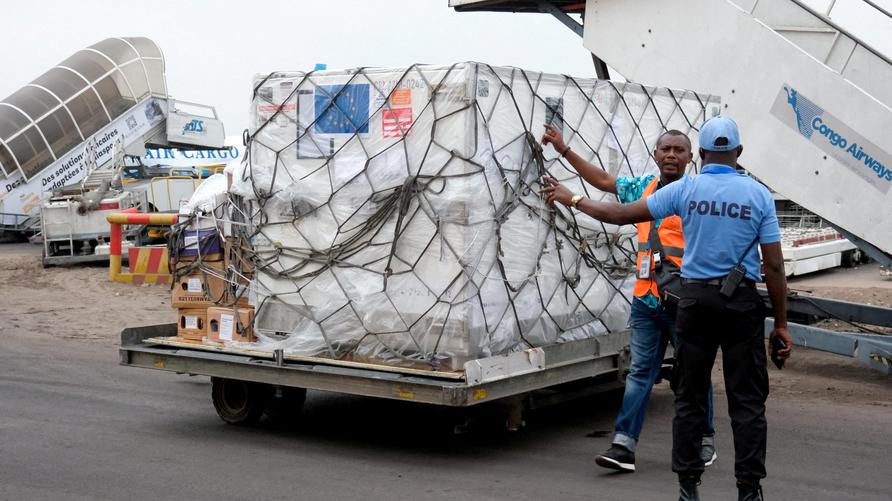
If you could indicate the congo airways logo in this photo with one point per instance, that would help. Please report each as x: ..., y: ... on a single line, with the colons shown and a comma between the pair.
x: 806, y: 111
x: 834, y: 137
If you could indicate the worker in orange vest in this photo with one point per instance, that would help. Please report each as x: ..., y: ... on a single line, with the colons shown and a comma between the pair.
x: 652, y: 323
x: 724, y: 214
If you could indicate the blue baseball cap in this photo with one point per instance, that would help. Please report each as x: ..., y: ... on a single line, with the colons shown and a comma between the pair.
x: 719, y: 127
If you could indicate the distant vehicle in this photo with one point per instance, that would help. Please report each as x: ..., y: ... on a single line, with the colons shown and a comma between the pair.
x: 135, y: 170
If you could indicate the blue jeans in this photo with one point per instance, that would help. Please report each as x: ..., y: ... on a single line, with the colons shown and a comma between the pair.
x: 652, y: 329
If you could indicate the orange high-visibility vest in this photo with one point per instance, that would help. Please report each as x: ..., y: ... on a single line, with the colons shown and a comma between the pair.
x: 671, y: 238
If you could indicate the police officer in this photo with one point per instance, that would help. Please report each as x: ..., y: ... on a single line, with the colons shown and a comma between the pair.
x: 652, y: 323
x: 724, y: 214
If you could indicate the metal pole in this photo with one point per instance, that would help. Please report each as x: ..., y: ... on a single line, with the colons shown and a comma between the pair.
x: 561, y: 16
x: 600, y: 68
x: 117, y: 220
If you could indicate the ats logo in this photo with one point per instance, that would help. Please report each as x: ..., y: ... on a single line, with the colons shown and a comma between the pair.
x: 194, y: 127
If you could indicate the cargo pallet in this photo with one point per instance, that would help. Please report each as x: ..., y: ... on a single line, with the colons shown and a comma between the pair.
x: 245, y: 383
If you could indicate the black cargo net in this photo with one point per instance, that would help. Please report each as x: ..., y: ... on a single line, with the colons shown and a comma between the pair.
x: 395, y: 216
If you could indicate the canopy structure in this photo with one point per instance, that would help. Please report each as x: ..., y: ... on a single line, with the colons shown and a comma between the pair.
x: 569, y: 6
x: 60, y: 109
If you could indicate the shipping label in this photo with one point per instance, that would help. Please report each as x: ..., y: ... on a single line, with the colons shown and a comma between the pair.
x: 342, y: 109
x: 396, y: 122
x: 191, y: 322
x: 400, y: 98
x: 227, y: 323
x: 193, y: 285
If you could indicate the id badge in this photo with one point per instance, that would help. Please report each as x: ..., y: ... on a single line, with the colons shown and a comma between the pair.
x: 644, y: 267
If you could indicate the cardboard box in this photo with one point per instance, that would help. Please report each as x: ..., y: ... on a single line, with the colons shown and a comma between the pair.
x: 200, y: 289
x: 192, y: 323
x: 200, y: 242
x: 238, y: 293
x: 189, y: 264
x: 237, y: 257
x: 238, y: 254
x: 222, y: 324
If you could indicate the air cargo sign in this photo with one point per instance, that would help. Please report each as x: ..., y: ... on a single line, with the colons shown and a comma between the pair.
x: 834, y: 138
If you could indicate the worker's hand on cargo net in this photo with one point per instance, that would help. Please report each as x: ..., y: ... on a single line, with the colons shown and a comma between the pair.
x: 555, y: 191
x: 553, y: 137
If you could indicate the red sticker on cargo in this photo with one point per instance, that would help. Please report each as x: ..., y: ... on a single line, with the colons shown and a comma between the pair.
x: 396, y: 122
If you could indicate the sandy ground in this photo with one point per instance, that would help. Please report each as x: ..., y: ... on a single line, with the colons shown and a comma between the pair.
x: 81, y: 303
x: 76, y: 302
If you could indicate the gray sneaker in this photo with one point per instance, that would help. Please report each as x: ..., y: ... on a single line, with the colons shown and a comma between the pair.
x: 707, y: 450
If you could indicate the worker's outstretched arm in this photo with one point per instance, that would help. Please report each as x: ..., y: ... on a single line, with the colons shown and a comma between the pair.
x: 776, y: 282
x: 609, y: 212
x: 593, y: 174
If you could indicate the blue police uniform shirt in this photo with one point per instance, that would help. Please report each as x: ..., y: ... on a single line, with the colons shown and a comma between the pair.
x: 721, y: 213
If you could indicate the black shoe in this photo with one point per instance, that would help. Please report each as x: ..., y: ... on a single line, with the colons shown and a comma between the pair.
x: 687, y: 489
x: 749, y: 492
x: 617, y: 457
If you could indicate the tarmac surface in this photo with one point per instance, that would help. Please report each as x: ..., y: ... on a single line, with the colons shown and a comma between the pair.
x: 75, y: 425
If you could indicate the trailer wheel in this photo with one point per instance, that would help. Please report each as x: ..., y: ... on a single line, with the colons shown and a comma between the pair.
x: 851, y: 258
x: 237, y: 402
x: 285, y: 404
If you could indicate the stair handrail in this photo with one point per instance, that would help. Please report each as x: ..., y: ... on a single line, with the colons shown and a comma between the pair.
x: 825, y: 18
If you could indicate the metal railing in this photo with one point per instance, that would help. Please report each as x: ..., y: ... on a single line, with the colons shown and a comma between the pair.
x: 840, y: 50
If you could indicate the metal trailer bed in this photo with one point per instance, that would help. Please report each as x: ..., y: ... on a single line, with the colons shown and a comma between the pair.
x: 247, y: 384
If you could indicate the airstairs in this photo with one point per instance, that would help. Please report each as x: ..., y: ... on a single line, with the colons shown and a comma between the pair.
x: 814, y: 102
x: 111, y: 93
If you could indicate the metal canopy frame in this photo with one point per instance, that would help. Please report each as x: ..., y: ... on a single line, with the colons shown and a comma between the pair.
x: 559, y: 9
x: 50, y: 116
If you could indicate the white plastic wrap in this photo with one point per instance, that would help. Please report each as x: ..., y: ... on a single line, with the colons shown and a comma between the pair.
x: 396, y: 215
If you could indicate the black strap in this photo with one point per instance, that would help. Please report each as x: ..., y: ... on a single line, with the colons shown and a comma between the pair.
x: 747, y: 251
x: 656, y: 245
x: 653, y: 238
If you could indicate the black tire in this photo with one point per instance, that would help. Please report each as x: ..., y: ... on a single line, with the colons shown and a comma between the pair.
x: 851, y: 258
x: 239, y: 403
x: 284, y: 404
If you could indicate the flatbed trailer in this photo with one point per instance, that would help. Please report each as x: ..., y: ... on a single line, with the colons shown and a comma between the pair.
x: 247, y: 384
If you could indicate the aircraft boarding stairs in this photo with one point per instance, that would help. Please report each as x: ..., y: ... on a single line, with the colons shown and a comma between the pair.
x: 813, y: 101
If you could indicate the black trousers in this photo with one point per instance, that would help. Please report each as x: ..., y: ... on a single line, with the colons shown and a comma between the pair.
x: 706, y: 321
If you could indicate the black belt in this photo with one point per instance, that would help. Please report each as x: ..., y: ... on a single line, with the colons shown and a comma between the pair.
x: 746, y: 282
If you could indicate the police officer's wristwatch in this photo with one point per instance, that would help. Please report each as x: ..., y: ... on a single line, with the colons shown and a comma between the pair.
x: 574, y: 201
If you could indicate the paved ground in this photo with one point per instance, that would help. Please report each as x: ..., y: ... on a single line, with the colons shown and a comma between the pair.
x: 74, y: 425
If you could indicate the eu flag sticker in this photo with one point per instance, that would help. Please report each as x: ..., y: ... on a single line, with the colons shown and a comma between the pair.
x: 342, y: 109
